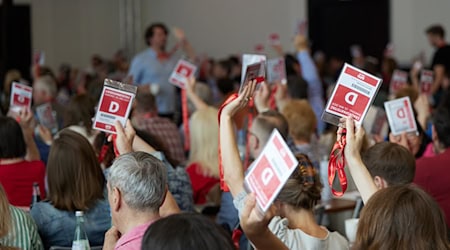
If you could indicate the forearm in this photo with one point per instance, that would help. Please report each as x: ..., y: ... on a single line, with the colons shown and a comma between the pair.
x: 231, y: 162
x: 32, y: 149
x: 169, y: 206
x: 189, y: 50
x: 361, y: 177
x: 198, y: 103
x: 266, y: 241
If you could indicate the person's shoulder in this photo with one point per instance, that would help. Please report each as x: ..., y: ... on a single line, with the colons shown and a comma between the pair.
x: 338, y: 240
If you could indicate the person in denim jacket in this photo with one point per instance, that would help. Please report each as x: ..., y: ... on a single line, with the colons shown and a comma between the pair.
x: 75, y: 182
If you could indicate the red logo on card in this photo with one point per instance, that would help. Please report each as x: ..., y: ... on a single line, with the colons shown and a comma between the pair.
x: 348, y: 102
x: 20, y: 100
x: 364, y: 77
x: 184, y: 70
x: 115, y: 103
x: 264, y: 180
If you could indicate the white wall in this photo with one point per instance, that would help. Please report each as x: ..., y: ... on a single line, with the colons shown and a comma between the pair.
x: 72, y: 30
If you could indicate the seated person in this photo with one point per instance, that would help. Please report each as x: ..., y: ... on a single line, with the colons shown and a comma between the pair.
x: 20, y: 164
x: 410, y: 209
x: 186, y: 232
x: 17, y: 228
x: 297, y: 228
x: 75, y: 182
x: 137, y: 192
x: 203, y: 167
x: 389, y: 164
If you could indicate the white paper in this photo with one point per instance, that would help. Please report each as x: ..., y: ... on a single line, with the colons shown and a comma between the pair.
x: 400, y: 116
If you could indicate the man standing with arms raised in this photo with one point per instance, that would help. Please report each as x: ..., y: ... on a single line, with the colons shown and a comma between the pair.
x: 152, y: 67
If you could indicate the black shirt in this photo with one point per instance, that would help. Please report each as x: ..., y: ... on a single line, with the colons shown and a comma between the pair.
x: 442, y: 57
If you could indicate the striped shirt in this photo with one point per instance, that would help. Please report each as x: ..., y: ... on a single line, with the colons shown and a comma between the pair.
x: 24, y: 232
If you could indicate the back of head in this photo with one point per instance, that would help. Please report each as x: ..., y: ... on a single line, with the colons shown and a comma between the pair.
x: 407, y: 91
x: 225, y: 86
x: 203, y: 91
x: 11, y: 76
x: 301, y: 119
x: 186, y: 232
x: 145, y: 102
x: 436, y: 30
x: 441, y: 123
x: 401, y: 217
x: 390, y: 161
x: 12, y: 143
x: 204, y: 134
x: 266, y: 122
x: 80, y: 111
x: 46, y: 84
x: 297, y: 87
x: 75, y: 179
x: 303, y: 188
x: 292, y: 65
x: 141, y: 179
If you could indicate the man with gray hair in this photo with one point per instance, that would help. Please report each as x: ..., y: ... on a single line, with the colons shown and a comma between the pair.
x: 137, y: 192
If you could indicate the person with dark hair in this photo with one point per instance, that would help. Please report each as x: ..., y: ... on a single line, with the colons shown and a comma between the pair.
x: 78, y: 116
x: 75, y: 182
x: 186, y: 232
x: 441, y: 58
x: 296, y: 226
x: 389, y: 164
x: 20, y: 164
x: 431, y: 172
x: 154, y: 65
x: 145, y: 117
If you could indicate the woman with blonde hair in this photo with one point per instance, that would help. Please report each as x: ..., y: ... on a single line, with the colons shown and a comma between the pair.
x: 17, y: 229
x: 203, y: 167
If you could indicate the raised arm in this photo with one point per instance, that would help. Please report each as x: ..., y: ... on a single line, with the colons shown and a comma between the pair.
x: 27, y: 124
x: 358, y: 170
x: 231, y: 162
x: 185, y: 45
x: 193, y: 97
x: 256, y: 228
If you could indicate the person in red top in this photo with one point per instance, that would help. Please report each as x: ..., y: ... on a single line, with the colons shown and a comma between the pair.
x: 432, y: 173
x: 20, y: 164
x: 203, y: 167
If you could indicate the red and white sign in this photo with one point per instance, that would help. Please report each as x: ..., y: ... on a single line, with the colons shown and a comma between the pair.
x: 259, y: 48
x: 250, y: 61
x: 398, y: 81
x: 426, y: 81
x: 181, y: 73
x: 276, y: 70
x: 20, y: 97
x: 47, y: 117
x: 400, y: 116
x: 270, y: 171
x: 114, y: 105
x: 353, y: 94
x: 274, y: 39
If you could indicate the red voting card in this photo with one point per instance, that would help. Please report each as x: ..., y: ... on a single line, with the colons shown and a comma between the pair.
x: 426, y: 81
x: 398, y: 81
x: 400, y: 116
x: 253, y: 68
x: 181, y: 73
x: 20, y: 96
x: 259, y: 48
x: 276, y: 70
x: 115, y: 104
x: 353, y: 94
x: 270, y: 171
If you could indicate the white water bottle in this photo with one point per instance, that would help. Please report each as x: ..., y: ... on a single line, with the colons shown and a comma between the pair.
x: 80, y: 239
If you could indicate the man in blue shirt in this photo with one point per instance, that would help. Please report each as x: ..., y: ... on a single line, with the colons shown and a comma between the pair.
x: 153, y: 66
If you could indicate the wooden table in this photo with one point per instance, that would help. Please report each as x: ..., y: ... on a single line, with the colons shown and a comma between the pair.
x: 339, y: 205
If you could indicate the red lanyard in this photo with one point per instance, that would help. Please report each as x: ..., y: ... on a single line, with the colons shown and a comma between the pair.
x: 185, y: 116
x: 337, y: 164
x: 223, y: 185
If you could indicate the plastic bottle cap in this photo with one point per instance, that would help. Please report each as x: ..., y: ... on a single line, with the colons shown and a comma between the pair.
x: 79, y: 213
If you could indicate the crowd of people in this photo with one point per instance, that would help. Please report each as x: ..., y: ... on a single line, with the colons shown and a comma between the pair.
x: 155, y: 185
